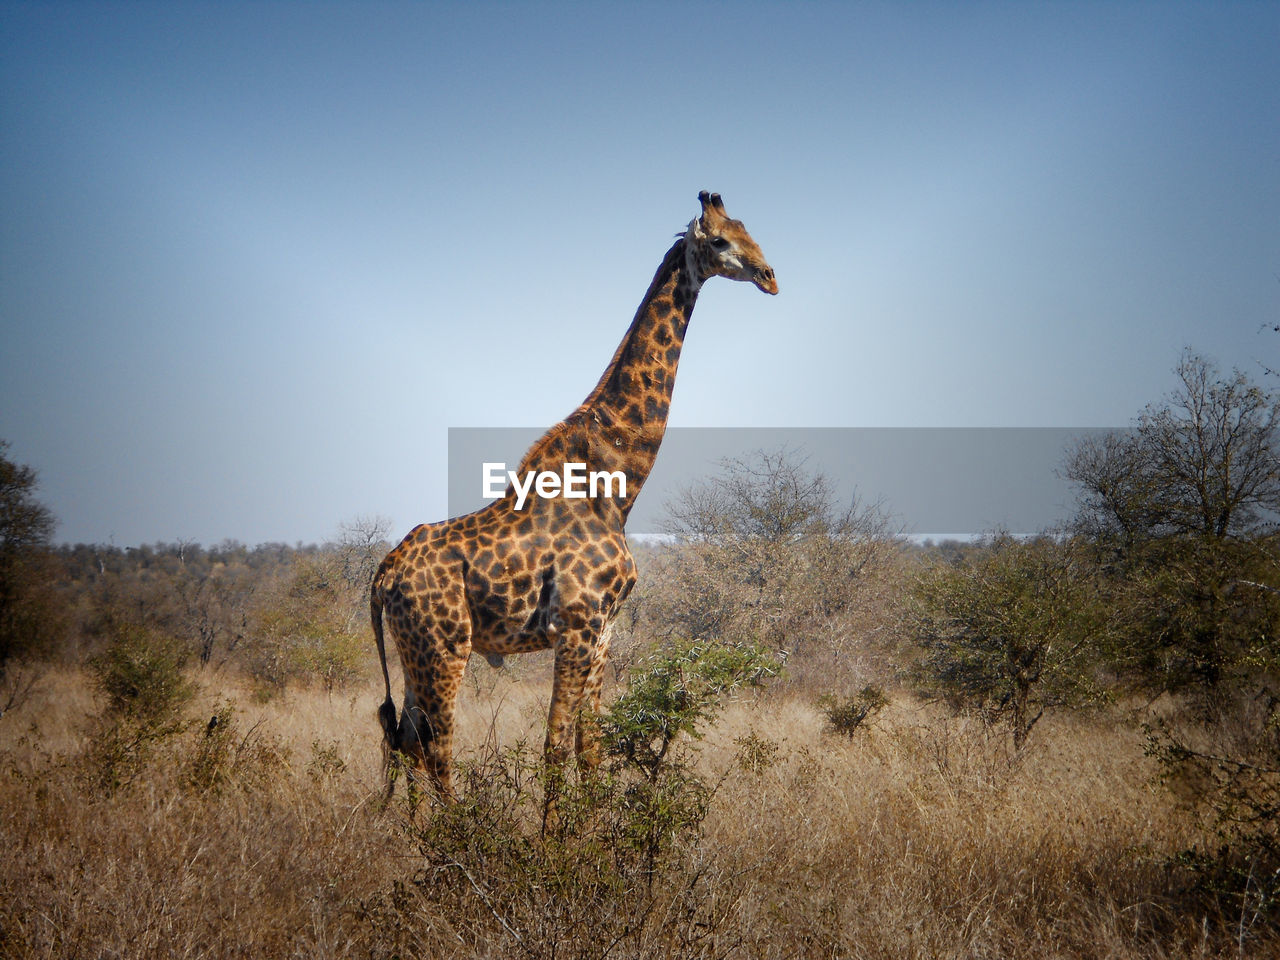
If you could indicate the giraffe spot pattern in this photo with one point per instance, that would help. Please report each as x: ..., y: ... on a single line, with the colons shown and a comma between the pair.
x: 502, y: 581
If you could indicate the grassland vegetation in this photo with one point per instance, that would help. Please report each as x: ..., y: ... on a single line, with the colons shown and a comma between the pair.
x: 822, y: 740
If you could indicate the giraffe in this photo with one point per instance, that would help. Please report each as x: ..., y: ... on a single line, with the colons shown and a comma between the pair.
x: 553, y: 573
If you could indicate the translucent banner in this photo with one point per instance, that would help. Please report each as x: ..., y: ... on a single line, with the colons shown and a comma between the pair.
x: 933, y: 481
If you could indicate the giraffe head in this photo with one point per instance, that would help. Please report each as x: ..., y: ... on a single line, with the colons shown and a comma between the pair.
x: 720, y: 246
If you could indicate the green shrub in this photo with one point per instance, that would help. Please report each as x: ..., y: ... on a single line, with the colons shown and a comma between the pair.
x: 141, y: 673
x: 1013, y: 630
x: 846, y: 715
x: 676, y: 691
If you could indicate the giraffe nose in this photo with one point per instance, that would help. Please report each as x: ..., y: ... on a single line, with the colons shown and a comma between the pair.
x: 765, y: 281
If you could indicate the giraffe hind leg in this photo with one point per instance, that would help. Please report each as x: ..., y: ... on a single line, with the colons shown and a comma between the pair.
x: 427, y: 722
x: 433, y: 636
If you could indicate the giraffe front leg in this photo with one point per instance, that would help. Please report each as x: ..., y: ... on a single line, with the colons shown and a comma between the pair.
x: 568, y: 689
x: 588, y: 728
x: 574, y: 658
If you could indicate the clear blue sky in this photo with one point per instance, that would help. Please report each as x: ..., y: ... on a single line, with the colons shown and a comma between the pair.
x: 256, y: 258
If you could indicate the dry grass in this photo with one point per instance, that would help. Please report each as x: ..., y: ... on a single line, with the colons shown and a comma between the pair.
x: 920, y: 837
x: 924, y: 838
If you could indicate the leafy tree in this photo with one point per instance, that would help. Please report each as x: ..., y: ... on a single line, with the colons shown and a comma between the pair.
x: 28, y: 618
x: 24, y: 522
x: 1182, y: 508
x: 1011, y: 631
x: 1197, y: 615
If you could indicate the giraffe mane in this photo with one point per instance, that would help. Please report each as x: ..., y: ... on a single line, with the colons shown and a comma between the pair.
x: 578, y: 419
x: 537, y: 453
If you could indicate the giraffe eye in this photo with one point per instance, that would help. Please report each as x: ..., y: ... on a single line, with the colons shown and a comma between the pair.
x: 719, y: 243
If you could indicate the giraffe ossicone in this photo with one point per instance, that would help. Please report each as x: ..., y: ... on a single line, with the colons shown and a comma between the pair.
x: 549, y: 571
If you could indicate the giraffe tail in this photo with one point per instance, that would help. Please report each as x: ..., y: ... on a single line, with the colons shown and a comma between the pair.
x: 387, y: 712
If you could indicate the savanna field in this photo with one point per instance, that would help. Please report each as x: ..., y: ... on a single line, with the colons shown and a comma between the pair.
x: 821, y: 739
x: 920, y: 836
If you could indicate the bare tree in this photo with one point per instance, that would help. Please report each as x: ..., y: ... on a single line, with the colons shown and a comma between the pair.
x: 769, y: 497
x: 361, y: 545
x: 1203, y: 461
x: 764, y: 554
x: 214, y: 606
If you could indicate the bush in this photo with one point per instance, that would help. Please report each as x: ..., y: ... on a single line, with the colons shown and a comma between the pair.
x: 1229, y: 771
x: 588, y: 890
x: 676, y: 691
x: 847, y: 715
x: 619, y: 872
x: 304, y: 629
x: 1014, y: 630
x: 141, y: 674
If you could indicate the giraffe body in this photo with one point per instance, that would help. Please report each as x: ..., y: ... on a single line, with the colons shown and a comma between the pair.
x: 552, y: 573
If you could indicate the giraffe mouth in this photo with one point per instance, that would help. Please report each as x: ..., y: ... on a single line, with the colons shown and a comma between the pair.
x: 764, y: 279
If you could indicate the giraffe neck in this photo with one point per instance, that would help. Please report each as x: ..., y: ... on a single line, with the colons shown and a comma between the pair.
x: 621, y: 423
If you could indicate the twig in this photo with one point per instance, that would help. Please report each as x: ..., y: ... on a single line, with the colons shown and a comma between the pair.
x: 492, y: 909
